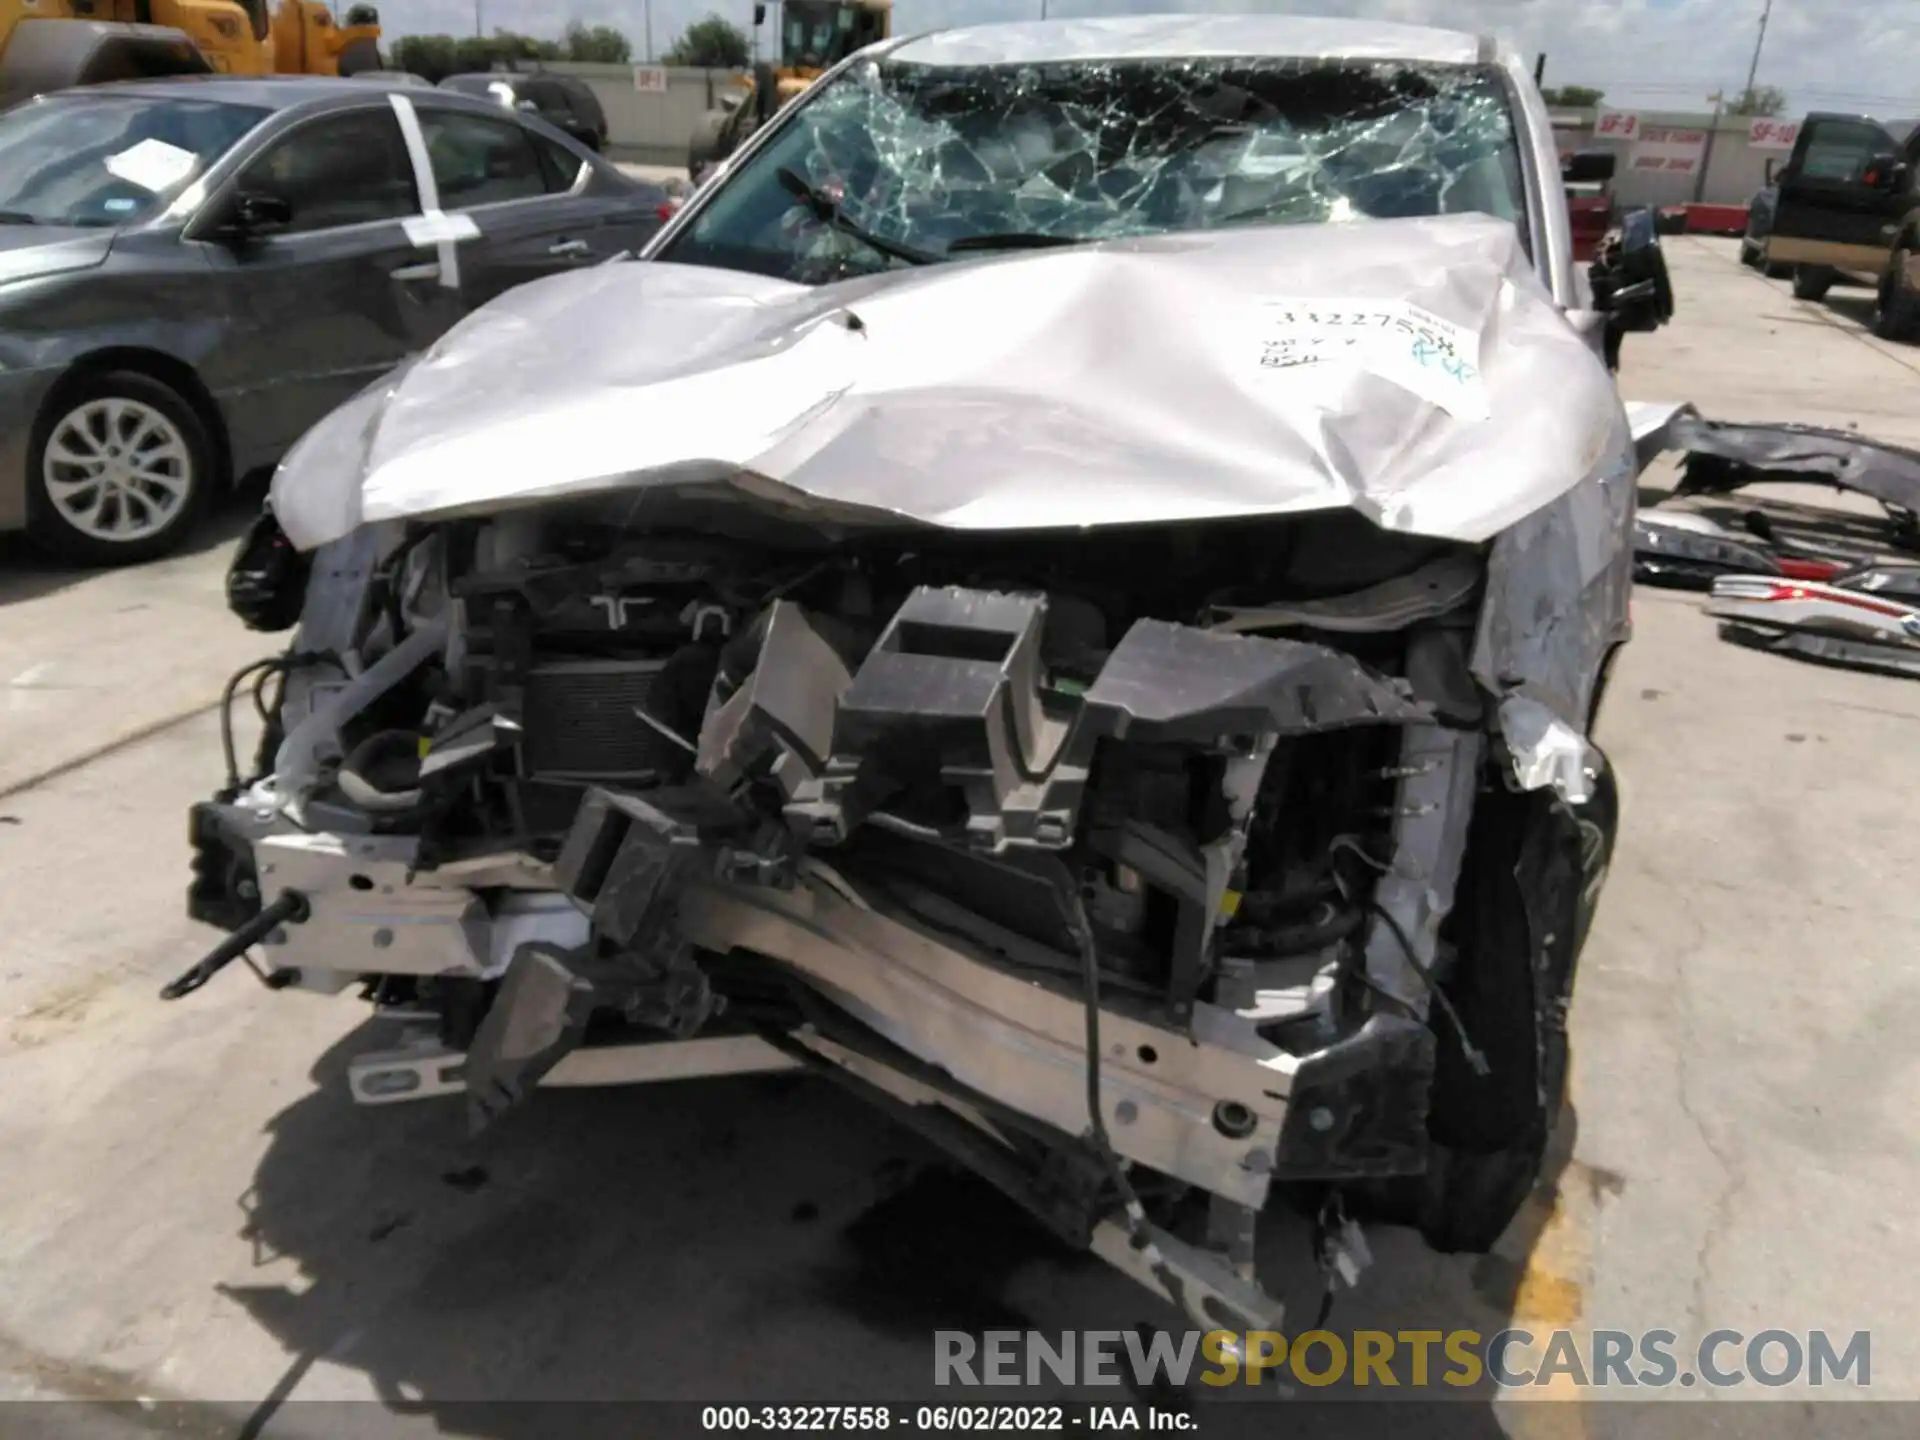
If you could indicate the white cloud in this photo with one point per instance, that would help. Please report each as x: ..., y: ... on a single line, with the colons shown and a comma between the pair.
x: 1827, y: 54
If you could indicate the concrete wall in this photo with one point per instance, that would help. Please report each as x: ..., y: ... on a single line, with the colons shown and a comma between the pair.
x: 1734, y: 170
x: 651, y: 128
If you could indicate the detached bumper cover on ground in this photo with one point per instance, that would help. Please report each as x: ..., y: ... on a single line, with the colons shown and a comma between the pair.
x: 1818, y: 604
x: 1151, y: 768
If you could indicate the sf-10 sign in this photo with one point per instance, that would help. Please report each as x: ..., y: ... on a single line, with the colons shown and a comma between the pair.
x: 1616, y: 125
x: 1773, y: 134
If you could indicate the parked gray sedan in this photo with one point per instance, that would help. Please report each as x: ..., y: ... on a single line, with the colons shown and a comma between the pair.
x: 194, y: 270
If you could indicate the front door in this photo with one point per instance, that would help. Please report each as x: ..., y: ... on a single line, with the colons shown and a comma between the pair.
x: 1829, y: 212
x: 340, y: 295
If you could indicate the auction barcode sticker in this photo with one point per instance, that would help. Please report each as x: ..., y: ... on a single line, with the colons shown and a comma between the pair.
x: 1433, y: 358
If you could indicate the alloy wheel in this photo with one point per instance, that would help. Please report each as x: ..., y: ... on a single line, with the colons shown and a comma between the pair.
x: 117, y: 470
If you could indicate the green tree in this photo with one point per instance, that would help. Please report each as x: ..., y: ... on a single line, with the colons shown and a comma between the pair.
x: 600, y: 44
x: 1761, y: 100
x: 429, y: 56
x: 437, y: 56
x: 712, y: 43
x: 1573, y: 97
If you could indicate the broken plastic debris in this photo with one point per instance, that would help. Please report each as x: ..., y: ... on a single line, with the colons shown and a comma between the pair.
x: 1546, y: 750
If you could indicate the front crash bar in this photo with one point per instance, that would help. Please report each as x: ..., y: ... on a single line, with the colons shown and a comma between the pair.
x: 1205, y: 1104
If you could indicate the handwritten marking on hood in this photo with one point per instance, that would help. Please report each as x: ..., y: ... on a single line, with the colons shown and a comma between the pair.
x: 1394, y: 339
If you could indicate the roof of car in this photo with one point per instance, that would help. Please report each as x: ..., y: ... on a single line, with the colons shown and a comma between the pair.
x: 1158, y: 37
x: 265, y: 92
x: 488, y: 77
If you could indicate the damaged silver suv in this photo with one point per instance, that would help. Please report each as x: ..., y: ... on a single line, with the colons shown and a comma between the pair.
x: 1068, y: 591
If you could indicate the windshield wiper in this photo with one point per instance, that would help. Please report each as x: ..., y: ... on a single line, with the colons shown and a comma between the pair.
x: 1011, y: 240
x: 18, y: 217
x: 827, y: 210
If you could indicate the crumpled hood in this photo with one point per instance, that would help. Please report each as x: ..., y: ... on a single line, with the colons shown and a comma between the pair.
x: 29, y: 251
x: 1415, y: 370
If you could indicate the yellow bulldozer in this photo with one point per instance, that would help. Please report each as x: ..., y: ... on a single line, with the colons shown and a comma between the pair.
x: 815, y: 35
x: 52, y: 44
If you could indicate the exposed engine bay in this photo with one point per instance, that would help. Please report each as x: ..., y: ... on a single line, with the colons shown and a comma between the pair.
x: 1133, y: 868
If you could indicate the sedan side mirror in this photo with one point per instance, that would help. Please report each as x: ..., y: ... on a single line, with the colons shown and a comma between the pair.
x: 254, y: 215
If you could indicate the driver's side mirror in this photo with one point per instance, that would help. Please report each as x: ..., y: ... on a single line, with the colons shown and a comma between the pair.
x: 1884, y: 172
x: 253, y: 215
x: 1773, y: 171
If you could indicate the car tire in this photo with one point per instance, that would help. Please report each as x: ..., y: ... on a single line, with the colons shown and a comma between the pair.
x: 151, y: 454
x: 1750, y: 253
x: 1489, y: 1135
x: 1811, y: 282
x: 1896, y: 309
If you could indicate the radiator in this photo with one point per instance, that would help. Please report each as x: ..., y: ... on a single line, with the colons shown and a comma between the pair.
x: 578, y: 720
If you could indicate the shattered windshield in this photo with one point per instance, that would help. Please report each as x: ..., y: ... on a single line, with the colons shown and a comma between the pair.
x: 893, y: 163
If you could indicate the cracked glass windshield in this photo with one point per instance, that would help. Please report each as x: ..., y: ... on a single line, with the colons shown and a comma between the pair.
x: 896, y: 164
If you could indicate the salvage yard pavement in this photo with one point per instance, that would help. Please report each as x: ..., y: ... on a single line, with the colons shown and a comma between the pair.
x: 197, y: 1213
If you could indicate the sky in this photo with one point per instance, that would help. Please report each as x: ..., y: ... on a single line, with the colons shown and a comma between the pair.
x: 1669, y: 54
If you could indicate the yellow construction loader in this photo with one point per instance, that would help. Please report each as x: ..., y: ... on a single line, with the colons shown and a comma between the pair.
x: 815, y: 35
x: 52, y: 44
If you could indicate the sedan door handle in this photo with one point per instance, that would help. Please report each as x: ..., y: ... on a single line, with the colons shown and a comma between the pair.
x: 429, y: 271
x: 570, y: 248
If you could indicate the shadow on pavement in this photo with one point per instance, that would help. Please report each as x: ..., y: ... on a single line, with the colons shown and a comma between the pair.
x: 27, y: 573
x: 763, y: 1239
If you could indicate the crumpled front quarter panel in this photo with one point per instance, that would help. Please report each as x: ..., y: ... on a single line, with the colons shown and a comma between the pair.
x: 1558, y: 585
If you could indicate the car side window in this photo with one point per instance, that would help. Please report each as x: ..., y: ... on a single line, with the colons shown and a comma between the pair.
x: 562, y: 166
x: 339, y: 170
x: 480, y: 160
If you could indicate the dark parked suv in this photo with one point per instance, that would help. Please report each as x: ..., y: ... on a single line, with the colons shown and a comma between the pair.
x: 565, y: 102
x: 1848, y: 208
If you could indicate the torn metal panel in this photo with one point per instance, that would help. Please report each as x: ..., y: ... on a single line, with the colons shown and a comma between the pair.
x: 967, y: 398
x: 1555, y: 605
x: 1887, y: 473
x: 1653, y: 424
x: 1679, y: 548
